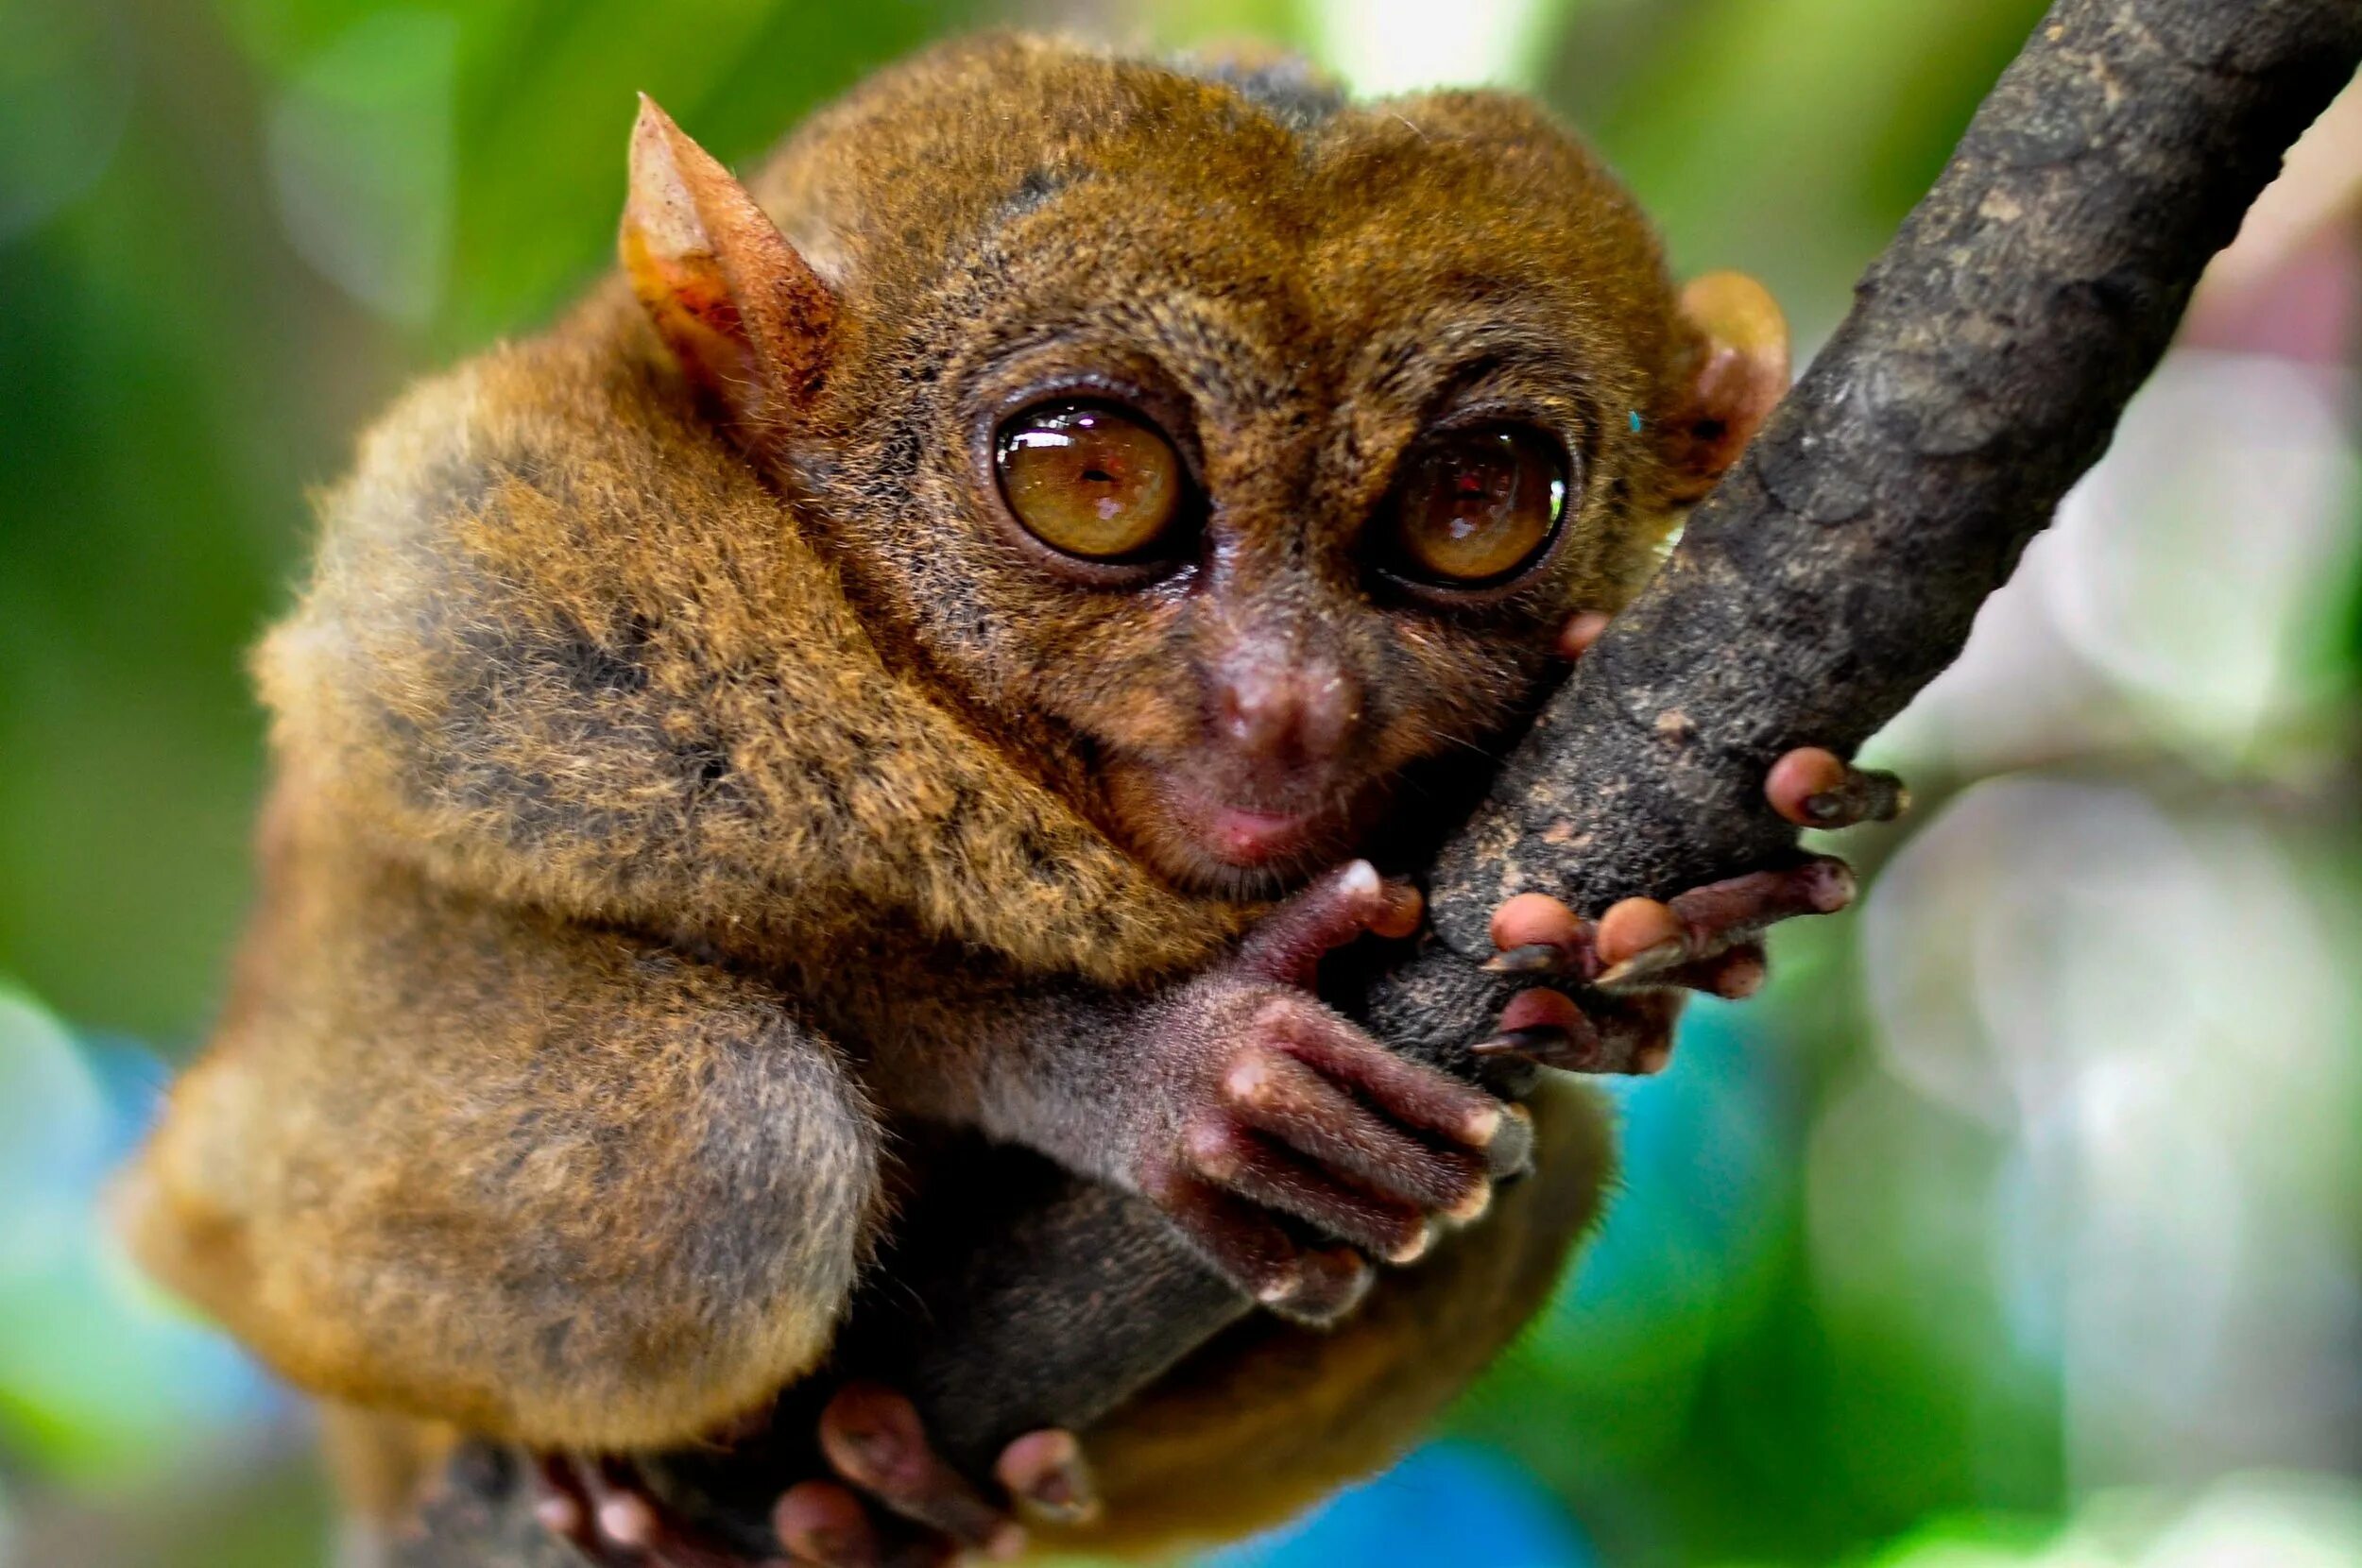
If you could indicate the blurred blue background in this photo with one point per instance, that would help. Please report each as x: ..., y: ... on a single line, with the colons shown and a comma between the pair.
x: 2020, y: 1222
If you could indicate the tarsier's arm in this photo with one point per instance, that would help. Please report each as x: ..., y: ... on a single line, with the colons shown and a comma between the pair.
x: 1234, y: 1101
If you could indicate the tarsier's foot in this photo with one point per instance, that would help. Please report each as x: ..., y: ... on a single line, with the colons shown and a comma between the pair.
x: 605, y: 1509
x: 1640, y: 955
x: 894, y: 1502
x: 1264, y: 1107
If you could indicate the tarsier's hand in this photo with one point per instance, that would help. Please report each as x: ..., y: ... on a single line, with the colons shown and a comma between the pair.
x: 1252, y: 1106
x: 1642, y: 955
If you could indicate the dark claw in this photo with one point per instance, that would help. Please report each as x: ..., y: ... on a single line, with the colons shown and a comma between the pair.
x: 1534, y: 958
x: 1648, y: 962
x: 1867, y: 795
x: 1533, y: 1041
x: 1813, y: 787
x: 1550, y: 1044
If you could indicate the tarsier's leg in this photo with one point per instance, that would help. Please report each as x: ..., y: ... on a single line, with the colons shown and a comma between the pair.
x: 549, y: 1184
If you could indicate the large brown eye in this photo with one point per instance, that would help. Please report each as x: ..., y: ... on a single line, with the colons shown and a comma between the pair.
x: 1476, y: 505
x: 1091, y: 480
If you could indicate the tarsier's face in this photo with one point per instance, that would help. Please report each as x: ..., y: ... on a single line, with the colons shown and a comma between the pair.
x: 1287, y: 727
x: 1280, y: 437
x: 1258, y: 597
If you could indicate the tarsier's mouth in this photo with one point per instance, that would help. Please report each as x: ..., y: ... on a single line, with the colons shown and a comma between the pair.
x: 1251, y: 838
x: 1200, y: 833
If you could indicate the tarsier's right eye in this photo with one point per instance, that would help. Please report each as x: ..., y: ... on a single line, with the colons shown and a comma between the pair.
x: 1091, y: 480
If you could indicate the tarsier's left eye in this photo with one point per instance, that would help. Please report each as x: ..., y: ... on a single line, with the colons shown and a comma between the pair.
x: 1475, y: 506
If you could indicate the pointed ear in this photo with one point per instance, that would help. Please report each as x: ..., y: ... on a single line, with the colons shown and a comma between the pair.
x: 747, y: 318
x: 1741, y: 374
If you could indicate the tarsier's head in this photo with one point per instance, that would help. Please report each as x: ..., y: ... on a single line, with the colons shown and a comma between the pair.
x: 1256, y: 443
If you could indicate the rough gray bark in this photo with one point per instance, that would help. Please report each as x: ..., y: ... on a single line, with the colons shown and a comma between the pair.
x: 1831, y: 576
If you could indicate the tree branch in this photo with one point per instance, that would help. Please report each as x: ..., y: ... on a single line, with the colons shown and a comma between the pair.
x: 1830, y: 577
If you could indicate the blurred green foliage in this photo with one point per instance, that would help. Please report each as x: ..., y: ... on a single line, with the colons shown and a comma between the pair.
x: 1829, y: 1320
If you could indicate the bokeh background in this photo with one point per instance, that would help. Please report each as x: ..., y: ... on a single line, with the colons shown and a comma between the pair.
x: 2021, y: 1223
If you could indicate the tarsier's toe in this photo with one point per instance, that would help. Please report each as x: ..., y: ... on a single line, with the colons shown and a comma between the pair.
x: 1253, y: 1249
x: 1580, y: 630
x: 602, y: 1507
x: 874, y: 1438
x: 1813, y: 787
x: 896, y: 1503
x: 824, y: 1524
x: 562, y: 1505
x: 1047, y: 1473
x: 1273, y: 1178
x: 1283, y: 1099
x: 1639, y: 958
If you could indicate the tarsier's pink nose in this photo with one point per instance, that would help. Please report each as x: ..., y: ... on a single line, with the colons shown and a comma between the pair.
x: 1300, y: 712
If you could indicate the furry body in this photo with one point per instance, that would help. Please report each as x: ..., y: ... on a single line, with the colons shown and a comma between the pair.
x: 670, y: 801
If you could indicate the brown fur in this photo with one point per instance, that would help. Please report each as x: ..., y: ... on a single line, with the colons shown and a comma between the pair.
x: 658, y: 794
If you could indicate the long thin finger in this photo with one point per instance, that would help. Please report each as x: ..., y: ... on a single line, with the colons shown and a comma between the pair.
x: 1306, y: 1285
x: 1410, y: 1092
x: 1744, y: 905
x: 1287, y: 946
x: 1263, y: 1173
x: 1643, y: 938
x: 1282, y: 1096
x: 874, y: 1438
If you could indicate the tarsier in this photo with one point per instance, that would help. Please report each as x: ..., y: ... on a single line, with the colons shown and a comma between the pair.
x: 872, y: 667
